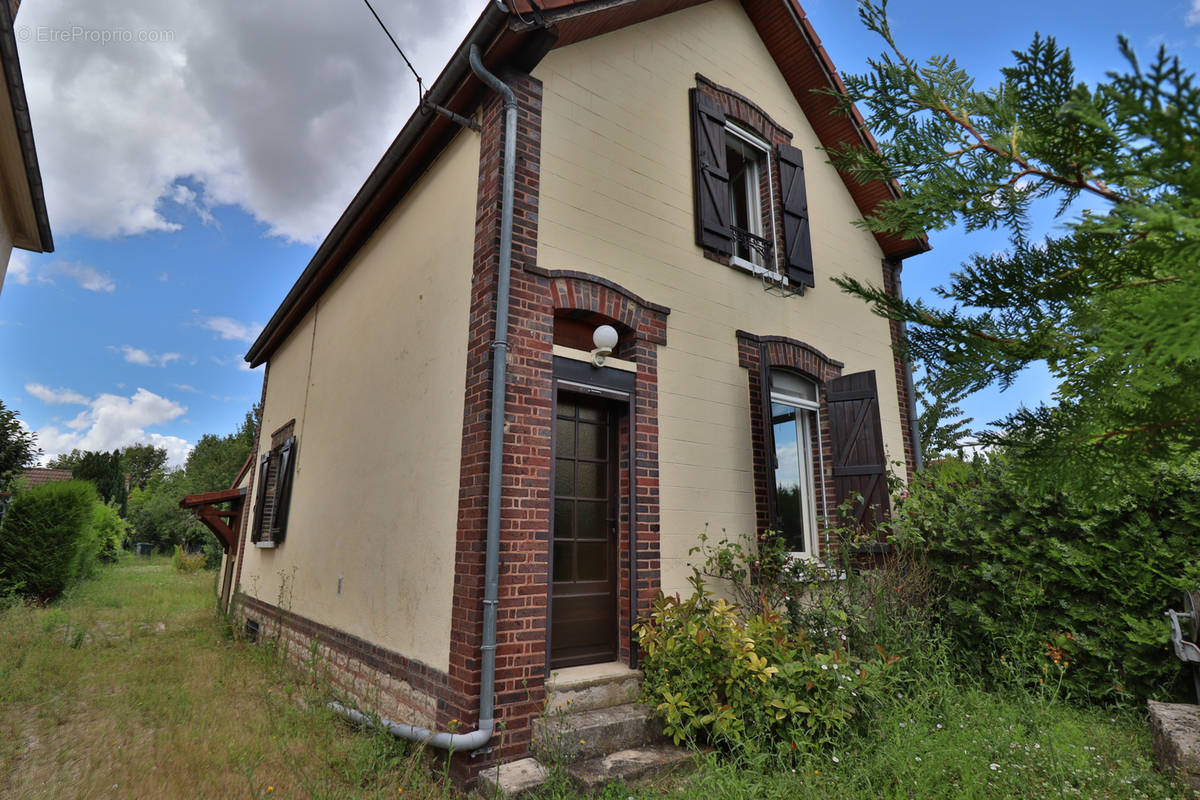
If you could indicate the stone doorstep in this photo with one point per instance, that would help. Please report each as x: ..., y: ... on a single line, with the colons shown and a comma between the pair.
x: 1176, y: 731
x: 517, y: 778
x: 587, y: 734
x: 591, y: 687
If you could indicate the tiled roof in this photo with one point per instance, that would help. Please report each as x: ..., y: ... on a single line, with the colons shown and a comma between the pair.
x: 40, y: 475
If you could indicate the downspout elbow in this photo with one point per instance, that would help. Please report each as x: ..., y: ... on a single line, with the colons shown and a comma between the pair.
x: 455, y: 742
x: 493, y: 82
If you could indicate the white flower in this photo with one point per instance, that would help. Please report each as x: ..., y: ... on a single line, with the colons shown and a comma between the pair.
x: 918, y: 758
x: 993, y: 767
x: 824, y: 666
x: 939, y: 726
x: 836, y: 760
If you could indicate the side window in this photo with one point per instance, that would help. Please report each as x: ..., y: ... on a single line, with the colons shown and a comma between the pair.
x: 276, y: 469
x: 741, y: 185
x: 794, y: 431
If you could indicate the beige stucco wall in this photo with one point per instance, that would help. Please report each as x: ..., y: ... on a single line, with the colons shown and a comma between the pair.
x: 616, y: 201
x: 374, y: 377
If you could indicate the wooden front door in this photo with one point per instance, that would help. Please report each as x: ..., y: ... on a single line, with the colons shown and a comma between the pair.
x: 583, y: 614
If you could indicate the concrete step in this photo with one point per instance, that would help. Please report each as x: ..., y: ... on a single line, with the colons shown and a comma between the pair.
x: 511, y: 780
x: 586, y: 734
x: 632, y: 765
x: 518, y: 778
x: 591, y: 687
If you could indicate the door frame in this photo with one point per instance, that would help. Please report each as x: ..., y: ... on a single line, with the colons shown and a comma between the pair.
x: 617, y: 386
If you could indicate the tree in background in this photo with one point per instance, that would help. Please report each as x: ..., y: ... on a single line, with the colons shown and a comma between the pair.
x: 18, y: 446
x: 216, y: 460
x: 1108, y: 301
x: 104, y: 471
x: 154, y: 510
x: 143, y: 463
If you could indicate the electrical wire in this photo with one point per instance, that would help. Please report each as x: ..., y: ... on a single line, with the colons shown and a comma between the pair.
x: 412, y: 69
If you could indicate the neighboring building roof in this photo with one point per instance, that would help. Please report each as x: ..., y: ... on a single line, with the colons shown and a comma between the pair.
x: 39, y: 475
x: 20, y: 176
x: 523, y: 38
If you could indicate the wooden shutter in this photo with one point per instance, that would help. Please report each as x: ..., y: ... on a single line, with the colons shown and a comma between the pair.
x: 797, y: 238
x: 859, y: 466
x: 260, y: 502
x: 710, y: 174
x: 283, y: 489
x: 768, y: 436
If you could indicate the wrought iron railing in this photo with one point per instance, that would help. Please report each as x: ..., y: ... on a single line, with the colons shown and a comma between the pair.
x: 753, y: 242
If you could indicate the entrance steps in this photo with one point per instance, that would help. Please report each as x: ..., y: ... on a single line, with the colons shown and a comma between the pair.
x: 594, y: 729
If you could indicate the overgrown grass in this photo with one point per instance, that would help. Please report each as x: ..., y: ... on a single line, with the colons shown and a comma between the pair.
x: 130, y: 687
x: 938, y: 735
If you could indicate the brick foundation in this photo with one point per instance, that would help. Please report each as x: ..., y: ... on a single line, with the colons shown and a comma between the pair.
x: 362, y: 675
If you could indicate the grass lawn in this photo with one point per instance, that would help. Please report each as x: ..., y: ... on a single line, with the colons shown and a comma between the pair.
x: 130, y: 687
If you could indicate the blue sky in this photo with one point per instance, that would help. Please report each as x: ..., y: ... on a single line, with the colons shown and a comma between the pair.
x: 194, y: 161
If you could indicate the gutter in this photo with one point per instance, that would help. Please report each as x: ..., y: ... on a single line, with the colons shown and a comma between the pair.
x: 476, y: 739
x: 910, y: 390
x: 24, y: 127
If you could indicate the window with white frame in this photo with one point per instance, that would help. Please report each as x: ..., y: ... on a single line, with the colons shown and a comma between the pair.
x: 794, y: 407
x: 748, y: 160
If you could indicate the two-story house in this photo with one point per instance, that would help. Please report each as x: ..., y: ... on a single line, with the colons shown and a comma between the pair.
x: 636, y: 276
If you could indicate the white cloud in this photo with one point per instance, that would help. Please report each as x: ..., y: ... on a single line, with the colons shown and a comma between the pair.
x: 1193, y: 17
x: 18, y: 267
x: 21, y: 269
x: 282, y: 109
x: 87, y: 277
x: 229, y: 328
x: 111, y: 421
x: 185, y: 387
x: 48, y: 395
x: 135, y: 355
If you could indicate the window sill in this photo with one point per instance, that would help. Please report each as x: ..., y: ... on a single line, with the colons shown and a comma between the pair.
x: 265, y: 545
x: 750, y: 267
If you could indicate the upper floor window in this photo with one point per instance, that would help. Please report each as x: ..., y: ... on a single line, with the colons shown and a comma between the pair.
x: 748, y: 160
x: 742, y: 184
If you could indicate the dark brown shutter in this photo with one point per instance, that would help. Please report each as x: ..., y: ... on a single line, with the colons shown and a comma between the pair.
x: 283, y: 489
x: 859, y: 466
x: 710, y: 174
x: 260, y: 502
x: 797, y: 238
x: 768, y: 427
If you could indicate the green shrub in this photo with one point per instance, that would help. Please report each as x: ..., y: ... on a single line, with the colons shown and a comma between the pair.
x: 747, y: 685
x: 1043, y: 581
x: 47, y: 541
x: 186, y: 562
x: 111, y: 532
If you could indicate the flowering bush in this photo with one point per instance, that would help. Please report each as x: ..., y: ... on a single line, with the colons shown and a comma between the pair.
x: 751, y: 684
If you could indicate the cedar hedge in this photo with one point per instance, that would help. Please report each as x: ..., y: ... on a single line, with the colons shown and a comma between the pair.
x: 48, y: 540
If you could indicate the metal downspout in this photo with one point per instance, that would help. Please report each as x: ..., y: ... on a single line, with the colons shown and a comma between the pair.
x: 914, y: 425
x: 476, y: 739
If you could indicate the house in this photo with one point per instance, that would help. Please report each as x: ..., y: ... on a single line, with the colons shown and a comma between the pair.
x: 22, y: 202
x: 674, y: 359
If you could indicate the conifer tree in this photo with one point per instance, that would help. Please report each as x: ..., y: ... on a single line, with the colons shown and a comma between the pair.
x: 1108, y: 301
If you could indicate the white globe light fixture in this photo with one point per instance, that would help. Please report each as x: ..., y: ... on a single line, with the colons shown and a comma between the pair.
x: 605, y: 338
